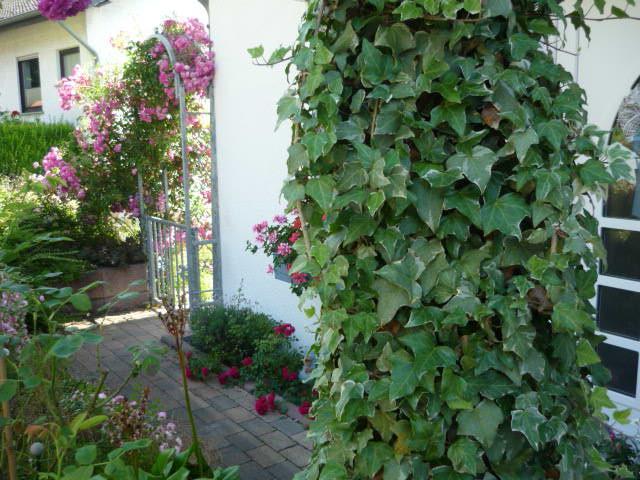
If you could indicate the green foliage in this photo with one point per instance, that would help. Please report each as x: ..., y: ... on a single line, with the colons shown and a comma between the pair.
x: 231, y: 331
x: 22, y: 143
x: 446, y: 177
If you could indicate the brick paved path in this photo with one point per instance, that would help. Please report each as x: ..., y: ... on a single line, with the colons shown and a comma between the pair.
x: 266, y: 447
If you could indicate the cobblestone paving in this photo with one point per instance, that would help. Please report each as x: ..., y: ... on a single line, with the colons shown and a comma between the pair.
x: 266, y: 447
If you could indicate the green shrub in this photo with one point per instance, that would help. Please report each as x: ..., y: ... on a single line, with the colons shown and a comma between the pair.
x: 22, y: 143
x: 233, y: 331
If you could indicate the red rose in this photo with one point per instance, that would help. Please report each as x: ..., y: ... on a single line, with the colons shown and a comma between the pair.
x: 222, y: 378
x: 271, y: 400
x: 234, y: 372
x: 304, y: 408
x: 247, y: 361
x: 261, y: 405
x: 204, y: 371
x: 297, y: 224
x: 188, y: 372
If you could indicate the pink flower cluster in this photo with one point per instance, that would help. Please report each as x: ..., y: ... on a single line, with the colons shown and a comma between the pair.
x: 266, y: 404
x: 232, y: 372
x: 13, y: 309
x: 65, y: 175
x: 285, y: 329
x: 62, y: 9
x: 194, y: 60
x: 70, y: 88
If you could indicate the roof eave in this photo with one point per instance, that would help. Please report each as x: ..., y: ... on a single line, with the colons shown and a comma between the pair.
x: 19, y: 18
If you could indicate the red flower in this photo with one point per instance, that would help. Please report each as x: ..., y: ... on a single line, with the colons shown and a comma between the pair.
x: 289, y: 376
x: 234, y: 372
x: 286, y: 329
x: 297, y: 224
x: 247, y: 361
x: 294, y: 237
x: 205, y: 372
x: 324, y: 217
x: 188, y: 354
x: 222, y: 378
x: 15, y: 114
x: 265, y: 403
x: 304, y: 408
x: 188, y: 373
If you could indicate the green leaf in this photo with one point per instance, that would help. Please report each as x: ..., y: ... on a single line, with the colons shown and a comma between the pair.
x: 81, y: 302
x: 288, y: 106
x: 464, y: 455
x: 321, y: 189
x: 8, y: 389
x: 554, y: 131
x: 499, y: 8
x: 391, y: 298
x: 66, y: 346
x: 481, y: 423
x: 473, y: 6
x: 298, y: 158
x: 593, y: 172
x: 567, y: 318
x: 348, y: 40
x: 408, y: 10
x: 92, y: 422
x: 256, y: 52
x: 528, y: 423
x: 403, y: 375
x: 428, y: 202
x: 404, y: 273
x: 374, y: 202
x: 505, y: 215
x: 376, y: 66
x: 397, y: 37
x: 477, y: 166
x: 86, y: 455
x: 522, y: 141
x: 436, y: 357
x: 585, y: 353
x: 454, y: 114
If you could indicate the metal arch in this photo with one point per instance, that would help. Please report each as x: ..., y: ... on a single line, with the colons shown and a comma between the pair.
x: 155, y: 229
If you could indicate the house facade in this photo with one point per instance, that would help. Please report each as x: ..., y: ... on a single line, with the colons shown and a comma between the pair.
x: 36, y: 53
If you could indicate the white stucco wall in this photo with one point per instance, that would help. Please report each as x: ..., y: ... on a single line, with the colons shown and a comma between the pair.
x: 251, y: 155
x: 44, y: 39
x: 133, y: 20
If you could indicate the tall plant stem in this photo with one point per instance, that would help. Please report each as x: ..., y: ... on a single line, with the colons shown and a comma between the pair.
x: 8, y: 432
x: 202, y: 463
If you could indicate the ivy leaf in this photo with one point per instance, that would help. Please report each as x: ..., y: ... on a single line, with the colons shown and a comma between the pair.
x: 403, y: 375
x: 593, y: 172
x: 522, y: 141
x: 288, y: 106
x: 554, y: 131
x: 428, y: 202
x: 481, y: 423
x: 464, y: 455
x: 477, y: 166
x: 473, y: 6
x: 298, y: 158
x: 454, y: 114
x: 585, y: 353
x: 499, y: 8
x: 397, y: 37
x: 404, y: 274
x: 528, y: 423
x: 374, y: 202
x: 567, y: 318
x: 521, y: 44
x: 408, y: 10
x: 444, y: 472
x: 505, y: 215
x: 321, y: 189
x: 348, y: 40
x: 391, y: 298
x: 256, y: 52
x: 433, y: 358
x: 376, y: 66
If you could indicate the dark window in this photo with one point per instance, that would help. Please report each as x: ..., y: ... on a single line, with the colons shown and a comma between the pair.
x: 30, y: 93
x: 623, y: 364
x: 623, y: 253
x: 68, y: 59
x: 618, y: 312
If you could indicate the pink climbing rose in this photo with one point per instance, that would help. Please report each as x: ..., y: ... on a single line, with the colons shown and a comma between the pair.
x: 62, y: 9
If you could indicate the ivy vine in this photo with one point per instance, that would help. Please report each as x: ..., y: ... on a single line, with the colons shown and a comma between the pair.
x: 445, y: 172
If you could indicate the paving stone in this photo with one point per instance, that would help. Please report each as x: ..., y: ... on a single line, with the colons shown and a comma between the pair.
x: 239, y: 414
x: 277, y: 440
x: 288, y: 426
x: 224, y: 427
x: 265, y: 456
x: 222, y: 403
x: 302, y: 439
x: 253, y: 471
x: 208, y: 415
x: 244, y: 441
x: 257, y: 426
x: 283, y: 471
x: 297, y: 455
x: 232, y: 456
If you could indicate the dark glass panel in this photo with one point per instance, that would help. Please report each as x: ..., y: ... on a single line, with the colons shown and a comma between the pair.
x: 623, y: 364
x: 623, y: 253
x: 623, y: 200
x: 619, y: 312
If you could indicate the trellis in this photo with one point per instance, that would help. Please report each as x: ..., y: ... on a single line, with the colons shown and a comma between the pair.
x: 173, y: 248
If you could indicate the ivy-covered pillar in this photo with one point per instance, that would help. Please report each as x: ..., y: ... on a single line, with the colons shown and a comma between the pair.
x: 444, y: 171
